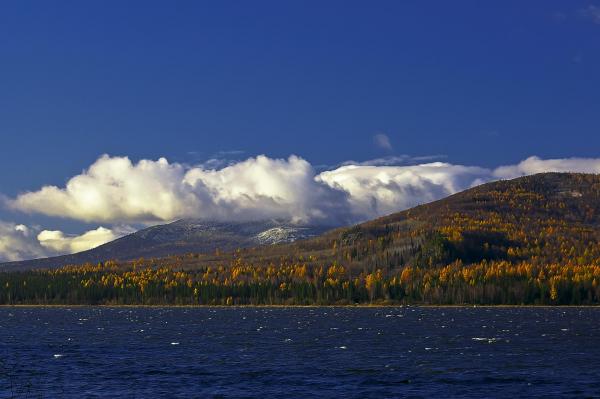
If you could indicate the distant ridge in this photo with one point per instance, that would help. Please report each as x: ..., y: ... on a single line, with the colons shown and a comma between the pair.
x: 180, y: 237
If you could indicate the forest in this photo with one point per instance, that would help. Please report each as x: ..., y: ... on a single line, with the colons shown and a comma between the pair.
x: 530, y: 241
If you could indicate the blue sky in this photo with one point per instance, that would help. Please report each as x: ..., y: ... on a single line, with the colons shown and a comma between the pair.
x: 481, y: 84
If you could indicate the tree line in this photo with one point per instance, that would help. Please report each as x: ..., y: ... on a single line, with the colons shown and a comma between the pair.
x: 484, y: 283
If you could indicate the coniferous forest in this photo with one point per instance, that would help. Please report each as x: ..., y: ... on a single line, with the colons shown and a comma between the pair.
x: 533, y: 240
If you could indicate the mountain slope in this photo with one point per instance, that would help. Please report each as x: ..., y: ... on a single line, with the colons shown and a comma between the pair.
x: 548, y: 217
x: 180, y: 237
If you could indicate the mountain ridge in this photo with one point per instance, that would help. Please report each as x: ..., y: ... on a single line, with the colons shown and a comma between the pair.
x: 180, y: 237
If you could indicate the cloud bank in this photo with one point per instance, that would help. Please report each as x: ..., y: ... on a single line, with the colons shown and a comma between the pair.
x: 533, y: 165
x: 115, y: 190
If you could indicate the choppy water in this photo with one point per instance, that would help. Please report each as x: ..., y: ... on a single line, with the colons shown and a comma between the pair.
x: 295, y: 352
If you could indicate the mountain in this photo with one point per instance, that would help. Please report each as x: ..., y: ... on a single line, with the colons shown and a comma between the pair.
x: 531, y: 240
x: 181, y: 237
x: 548, y: 217
x: 544, y: 218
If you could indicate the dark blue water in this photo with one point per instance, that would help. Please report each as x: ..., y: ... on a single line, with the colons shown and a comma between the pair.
x: 295, y: 352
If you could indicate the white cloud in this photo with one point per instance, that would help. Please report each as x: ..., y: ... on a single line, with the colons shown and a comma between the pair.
x: 58, y: 242
x: 394, y: 160
x: 263, y: 187
x: 115, y: 190
x: 383, y: 141
x: 18, y: 242
x: 378, y: 190
x: 533, y: 165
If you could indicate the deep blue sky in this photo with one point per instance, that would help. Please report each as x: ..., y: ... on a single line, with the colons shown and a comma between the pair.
x: 484, y: 83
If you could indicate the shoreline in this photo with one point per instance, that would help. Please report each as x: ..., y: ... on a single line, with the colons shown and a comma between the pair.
x: 380, y: 306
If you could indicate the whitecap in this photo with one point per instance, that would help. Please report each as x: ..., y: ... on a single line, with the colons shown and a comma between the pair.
x: 489, y: 340
x: 174, y: 343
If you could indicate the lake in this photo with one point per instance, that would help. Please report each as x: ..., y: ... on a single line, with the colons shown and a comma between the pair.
x: 295, y: 352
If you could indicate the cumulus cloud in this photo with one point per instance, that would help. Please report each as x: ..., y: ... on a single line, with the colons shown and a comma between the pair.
x: 383, y: 141
x: 58, y: 242
x: 116, y: 190
x: 263, y: 187
x: 18, y: 241
x: 378, y: 190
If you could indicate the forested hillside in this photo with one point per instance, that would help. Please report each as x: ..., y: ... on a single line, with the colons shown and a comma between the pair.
x: 531, y: 240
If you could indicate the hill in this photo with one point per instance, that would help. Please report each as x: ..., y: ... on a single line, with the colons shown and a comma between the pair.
x: 181, y: 237
x: 531, y: 240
